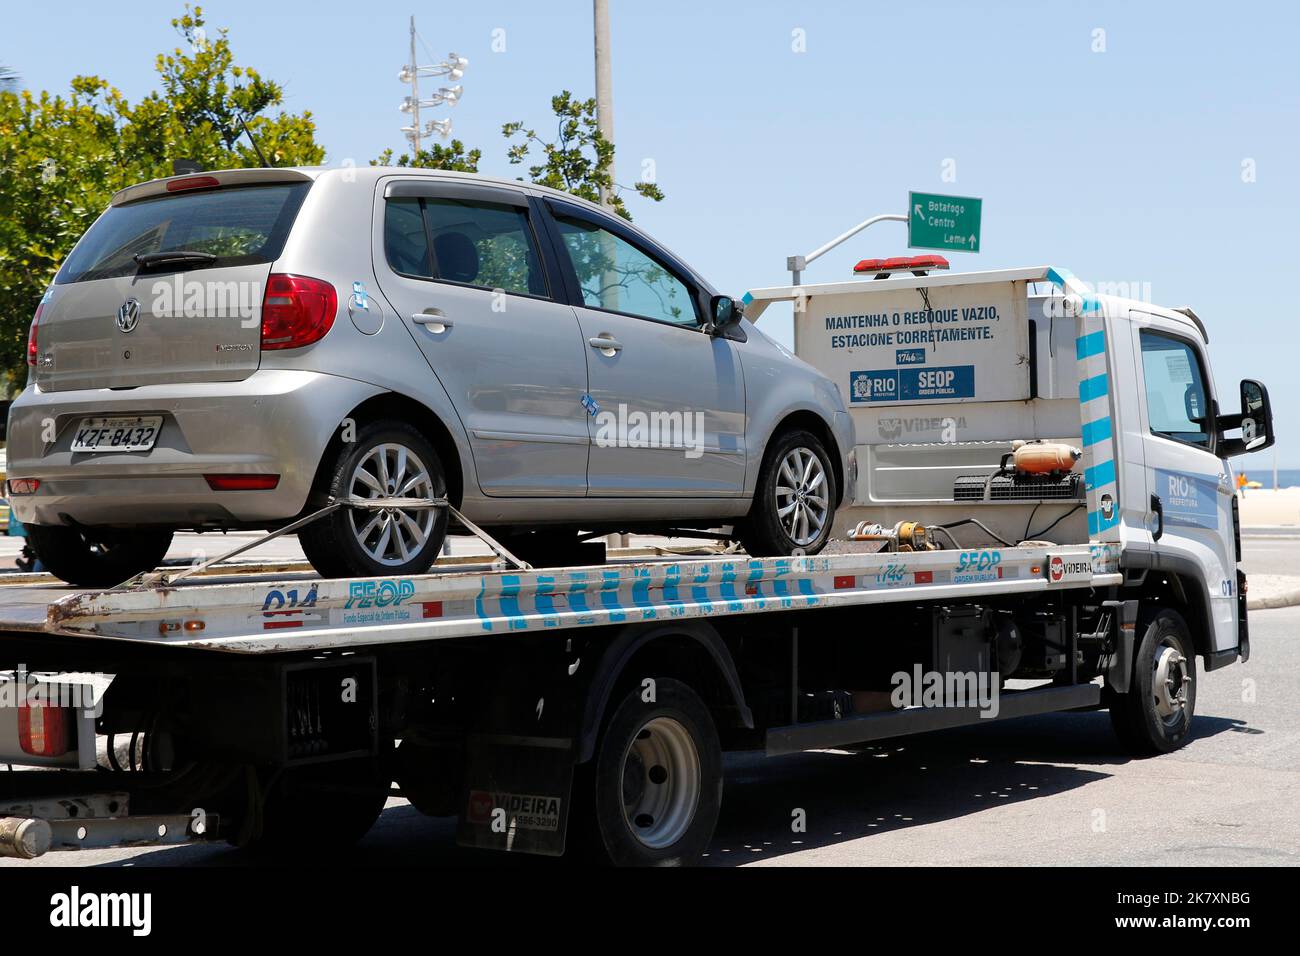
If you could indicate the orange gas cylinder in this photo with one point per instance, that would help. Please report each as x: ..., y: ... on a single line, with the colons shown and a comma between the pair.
x: 1044, y: 457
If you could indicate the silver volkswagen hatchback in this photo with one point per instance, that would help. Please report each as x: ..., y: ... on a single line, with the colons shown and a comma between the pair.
x: 236, y: 349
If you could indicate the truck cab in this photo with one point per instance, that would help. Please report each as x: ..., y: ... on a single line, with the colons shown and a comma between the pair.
x: 945, y: 374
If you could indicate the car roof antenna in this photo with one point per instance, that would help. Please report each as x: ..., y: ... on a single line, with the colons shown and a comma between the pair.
x: 257, y: 149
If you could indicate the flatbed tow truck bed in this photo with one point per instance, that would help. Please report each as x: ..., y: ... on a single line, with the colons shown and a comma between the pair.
x: 275, y: 615
x: 239, y: 644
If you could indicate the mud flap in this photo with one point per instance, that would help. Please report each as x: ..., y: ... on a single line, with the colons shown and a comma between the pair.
x: 517, y: 792
x: 1119, y: 673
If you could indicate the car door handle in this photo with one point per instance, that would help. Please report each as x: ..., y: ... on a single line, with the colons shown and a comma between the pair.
x: 606, y: 343
x: 432, y: 317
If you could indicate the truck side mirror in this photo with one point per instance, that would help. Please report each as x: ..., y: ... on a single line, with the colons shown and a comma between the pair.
x: 1255, y: 422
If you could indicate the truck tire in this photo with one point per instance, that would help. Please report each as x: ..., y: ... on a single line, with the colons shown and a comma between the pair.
x: 387, y: 460
x: 1155, y: 716
x: 322, y: 808
x: 98, y: 557
x: 794, y: 503
x: 652, y: 792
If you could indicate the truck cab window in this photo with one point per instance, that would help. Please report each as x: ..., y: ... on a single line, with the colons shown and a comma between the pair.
x: 1177, y: 405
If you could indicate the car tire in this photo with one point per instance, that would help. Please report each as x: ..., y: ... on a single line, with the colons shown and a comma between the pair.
x: 98, y: 557
x: 652, y: 793
x: 1150, y: 719
x: 356, y: 542
x: 774, y: 526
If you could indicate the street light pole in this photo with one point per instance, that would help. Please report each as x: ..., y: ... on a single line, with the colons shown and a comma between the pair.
x: 415, y: 94
x: 797, y: 264
x: 604, y: 83
x: 453, y: 68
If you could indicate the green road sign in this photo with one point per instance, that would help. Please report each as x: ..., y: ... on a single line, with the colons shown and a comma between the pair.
x: 943, y: 222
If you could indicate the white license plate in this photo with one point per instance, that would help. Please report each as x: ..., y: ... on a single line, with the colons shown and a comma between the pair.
x: 117, y: 434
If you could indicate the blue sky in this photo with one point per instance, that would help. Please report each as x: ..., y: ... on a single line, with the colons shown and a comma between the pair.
x: 1124, y: 165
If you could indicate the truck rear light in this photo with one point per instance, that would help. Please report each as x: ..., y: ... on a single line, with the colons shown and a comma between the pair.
x: 242, y: 482
x: 191, y: 182
x: 296, y: 311
x: 23, y: 486
x: 32, y: 350
x: 42, y: 729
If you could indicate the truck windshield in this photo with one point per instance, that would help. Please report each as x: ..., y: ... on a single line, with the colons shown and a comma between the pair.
x: 238, y: 225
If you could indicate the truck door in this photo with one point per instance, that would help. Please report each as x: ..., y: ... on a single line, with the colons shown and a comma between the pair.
x: 1189, y: 491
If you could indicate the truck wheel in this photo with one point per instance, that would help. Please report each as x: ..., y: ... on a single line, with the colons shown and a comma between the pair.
x: 98, y: 557
x: 1155, y: 716
x: 387, y: 460
x: 655, y: 783
x: 322, y: 808
x: 794, y: 503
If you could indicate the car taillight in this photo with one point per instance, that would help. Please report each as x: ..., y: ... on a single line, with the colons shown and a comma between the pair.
x: 42, y: 729
x: 32, y: 351
x: 23, y: 486
x: 296, y: 311
x: 242, y: 482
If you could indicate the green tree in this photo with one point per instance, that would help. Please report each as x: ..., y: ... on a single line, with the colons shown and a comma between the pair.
x: 452, y: 156
x: 577, y: 160
x: 63, y: 156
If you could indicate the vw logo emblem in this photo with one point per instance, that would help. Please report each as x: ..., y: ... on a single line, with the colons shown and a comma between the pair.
x: 128, y: 315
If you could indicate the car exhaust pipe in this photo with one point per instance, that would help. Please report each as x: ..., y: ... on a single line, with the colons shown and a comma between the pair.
x: 24, y: 838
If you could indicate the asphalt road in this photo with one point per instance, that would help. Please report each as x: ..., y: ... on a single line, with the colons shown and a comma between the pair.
x: 1042, y: 790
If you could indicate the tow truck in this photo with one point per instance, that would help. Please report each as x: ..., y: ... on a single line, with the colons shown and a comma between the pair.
x: 1043, y: 508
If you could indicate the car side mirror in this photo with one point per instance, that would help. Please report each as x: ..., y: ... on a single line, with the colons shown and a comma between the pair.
x: 1255, y: 421
x: 724, y: 312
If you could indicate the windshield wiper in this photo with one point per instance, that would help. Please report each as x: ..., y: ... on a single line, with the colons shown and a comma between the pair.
x: 147, y: 259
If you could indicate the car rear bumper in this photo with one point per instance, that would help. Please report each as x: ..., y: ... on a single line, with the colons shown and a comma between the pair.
x: 273, y: 422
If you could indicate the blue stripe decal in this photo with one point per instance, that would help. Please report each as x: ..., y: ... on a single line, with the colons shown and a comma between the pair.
x: 510, y: 602
x: 641, y: 592
x: 1099, y: 475
x: 545, y: 601
x: 1086, y: 346
x: 609, y: 596
x: 1103, y: 522
x: 806, y: 589
x: 755, y: 581
x: 700, y: 593
x: 1092, y: 388
x: 672, y: 578
x: 1098, y: 431
x: 479, y: 608
x: 728, y: 587
x: 780, y: 586
x: 578, y: 592
x: 1058, y: 277
x: 747, y: 298
x: 1094, y: 523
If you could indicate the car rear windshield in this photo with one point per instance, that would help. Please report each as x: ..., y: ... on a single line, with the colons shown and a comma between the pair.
x: 240, y: 225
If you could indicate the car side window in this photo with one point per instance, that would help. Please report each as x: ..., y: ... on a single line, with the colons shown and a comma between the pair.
x: 615, y: 275
x: 406, y: 244
x: 1177, y: 404
x: 469, y: 242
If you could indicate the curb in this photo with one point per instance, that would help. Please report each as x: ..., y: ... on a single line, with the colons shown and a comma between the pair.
x: 1268, y: 601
